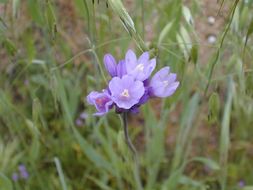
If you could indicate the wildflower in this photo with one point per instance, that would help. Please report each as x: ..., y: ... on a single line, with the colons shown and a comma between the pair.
x: 126, y: 92
x: 15, y: 176
x: 142, y: 68
x: 121, y: 68
x: 83, y: 115
x: 23, y: 172
x: 79, y: 122
x: 21, y: 167
x: 110, y: 65
x: 101, y: 100
x: 163, y: 83
x: 81, y: 119
x: 241, y: 183
x: 131, y: 86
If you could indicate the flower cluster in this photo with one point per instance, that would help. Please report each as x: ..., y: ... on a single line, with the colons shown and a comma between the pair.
x: 22, y: 174
x: 131, y: 85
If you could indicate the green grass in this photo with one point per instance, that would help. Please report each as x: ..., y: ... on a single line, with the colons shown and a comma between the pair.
x: 51, y: 58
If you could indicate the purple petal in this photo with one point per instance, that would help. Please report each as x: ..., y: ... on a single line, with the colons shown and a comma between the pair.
x: 115, y: 85
x: 135, y: 109
x: 137, y: 90
x: 90, y: 98
x: 142, y: 69
x: 15, y: 177
x: 125, y: 91
x: 149, y: 68
x: 83, y: 115
x: 143, y: 58
x: 163, y: 83
x: 161, y: 74
x: 241, y: 183
x: 171, y: 89
x: 121, y: 68
x: 24, y: 174
x: 21, y: 167
x: 144, y: 98
x: 110, y: 65
x: 131, y: 60
x: 101, y: 100
x: 79, y: 122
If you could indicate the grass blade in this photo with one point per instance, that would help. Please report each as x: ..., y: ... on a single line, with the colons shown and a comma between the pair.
x: 60, y: 173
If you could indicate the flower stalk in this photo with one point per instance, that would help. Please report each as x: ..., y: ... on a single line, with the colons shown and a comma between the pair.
x: 127, y: 138
x: 134, y: 152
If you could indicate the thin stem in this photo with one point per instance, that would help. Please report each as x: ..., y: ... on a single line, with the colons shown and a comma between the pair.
x: 127, y: 138
x: 143, y: 19
x: 133, y: 150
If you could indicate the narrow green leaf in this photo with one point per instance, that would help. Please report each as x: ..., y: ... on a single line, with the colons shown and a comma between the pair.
x: 5, y: 183
x: 194, y: 54
x: 9, y: 46
x: 187, y: 15
x: 190, y: 182
x: 99, y: 183
x: 51, y: 19
x: 60, y: 173
x: 164, y: 32
x: 207, y: 162
x: 92, y: 154
x: 35, y: 11
x: 249, y: 32
x: 225, y: 133
x: 15, y: 6
x: 214, y: 107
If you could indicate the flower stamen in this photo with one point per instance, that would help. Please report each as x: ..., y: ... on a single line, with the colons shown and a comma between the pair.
x: 165, y: 83
x: 125, y: 93
x: 139, y: 67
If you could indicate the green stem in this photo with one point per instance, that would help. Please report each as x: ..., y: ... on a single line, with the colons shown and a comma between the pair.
x: 134, y: 151
x: 127, y: 138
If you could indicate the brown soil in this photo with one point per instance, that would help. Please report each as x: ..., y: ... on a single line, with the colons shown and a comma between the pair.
x: 205, y: 29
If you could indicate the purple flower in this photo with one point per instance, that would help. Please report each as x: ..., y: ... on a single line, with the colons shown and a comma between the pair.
x: 101, y: 100
x: 15, y: 176
x: 83, y: 116
x: 163, y: 83
x: 79, y: 122
x: 21, y: 167
x: 23, y: 172
x: 125, y: 91
x: 110, y: 65
x: 140, y: 69
x: 121, y: 68
x: 241, y: 183
x: 131, y: 86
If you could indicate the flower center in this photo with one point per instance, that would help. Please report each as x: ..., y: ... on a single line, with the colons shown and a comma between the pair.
x: 165, y: 83
x: 139, y: 67
x: 100, y: 101
x: 125, y: 93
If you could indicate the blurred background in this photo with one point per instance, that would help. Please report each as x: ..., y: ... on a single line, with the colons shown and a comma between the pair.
x: 51, y: 55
